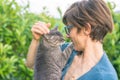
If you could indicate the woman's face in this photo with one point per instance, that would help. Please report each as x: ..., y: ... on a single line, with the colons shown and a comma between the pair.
x: 78, y: 38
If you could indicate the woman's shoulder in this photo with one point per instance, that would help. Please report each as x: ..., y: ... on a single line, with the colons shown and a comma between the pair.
x: 109, y: 76
x: 97, y: 75
x: 103, y: 70
x: 105, y: 76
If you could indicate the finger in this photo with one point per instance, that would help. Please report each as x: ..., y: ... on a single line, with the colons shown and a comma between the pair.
x: 35, y: 34
x: 48, y: 25
x: 43, y: 27
x: 34, y: 30
x: 38, y: 27
x: 40, y: 22
x: 46, y: 29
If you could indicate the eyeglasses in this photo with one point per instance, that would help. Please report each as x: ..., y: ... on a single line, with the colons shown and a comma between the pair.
x: 68, y: 29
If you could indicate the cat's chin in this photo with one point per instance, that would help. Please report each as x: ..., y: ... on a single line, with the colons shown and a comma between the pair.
x: 57, y: 44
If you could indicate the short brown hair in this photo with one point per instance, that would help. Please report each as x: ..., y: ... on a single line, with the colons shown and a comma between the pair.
x: 94, y: 12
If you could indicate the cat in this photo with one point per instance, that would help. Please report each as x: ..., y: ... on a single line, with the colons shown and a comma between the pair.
x: 50, y: 59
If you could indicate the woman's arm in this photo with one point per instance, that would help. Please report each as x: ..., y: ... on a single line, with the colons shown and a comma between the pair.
x: 37, y: 30
x: 32, y: 53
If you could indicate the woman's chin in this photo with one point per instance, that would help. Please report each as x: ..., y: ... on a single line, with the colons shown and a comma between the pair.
x: 76, y: 48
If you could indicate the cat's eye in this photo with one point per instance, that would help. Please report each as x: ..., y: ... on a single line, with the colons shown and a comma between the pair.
x: 52, y: 37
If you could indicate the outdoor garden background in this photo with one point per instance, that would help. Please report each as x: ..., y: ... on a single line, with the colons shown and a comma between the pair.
x: 15, y: 37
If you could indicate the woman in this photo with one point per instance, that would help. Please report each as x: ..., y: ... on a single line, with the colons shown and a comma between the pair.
x: 87, y: 23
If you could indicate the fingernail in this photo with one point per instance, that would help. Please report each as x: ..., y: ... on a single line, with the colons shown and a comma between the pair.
x: 48, y: 31
x: 49, y: 24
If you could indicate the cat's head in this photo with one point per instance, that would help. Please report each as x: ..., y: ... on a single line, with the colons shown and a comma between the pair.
x: 54, y: 38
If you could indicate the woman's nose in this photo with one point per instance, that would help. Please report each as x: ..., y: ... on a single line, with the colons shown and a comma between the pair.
x: 68, y: 36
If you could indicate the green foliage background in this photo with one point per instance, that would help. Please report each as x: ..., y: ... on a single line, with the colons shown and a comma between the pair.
x: 15, y: 36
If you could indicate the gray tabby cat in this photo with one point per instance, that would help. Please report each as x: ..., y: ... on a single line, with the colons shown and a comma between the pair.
x: 50, y: 60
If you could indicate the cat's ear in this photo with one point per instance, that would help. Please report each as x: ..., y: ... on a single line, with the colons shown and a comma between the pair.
x: 56, y: 28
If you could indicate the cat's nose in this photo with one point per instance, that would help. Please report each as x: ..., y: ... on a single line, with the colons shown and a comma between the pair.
x: 62, y: 40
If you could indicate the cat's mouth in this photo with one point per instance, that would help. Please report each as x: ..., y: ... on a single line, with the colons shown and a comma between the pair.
x: 55, y: 43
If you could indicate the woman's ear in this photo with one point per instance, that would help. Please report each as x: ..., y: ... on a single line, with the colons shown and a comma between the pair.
x: 87, y: 29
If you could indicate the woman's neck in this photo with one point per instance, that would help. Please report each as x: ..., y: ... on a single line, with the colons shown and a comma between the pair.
x: 92, y: 53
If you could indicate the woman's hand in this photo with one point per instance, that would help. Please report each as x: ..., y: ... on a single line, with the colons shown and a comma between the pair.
x: 39, y: 29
